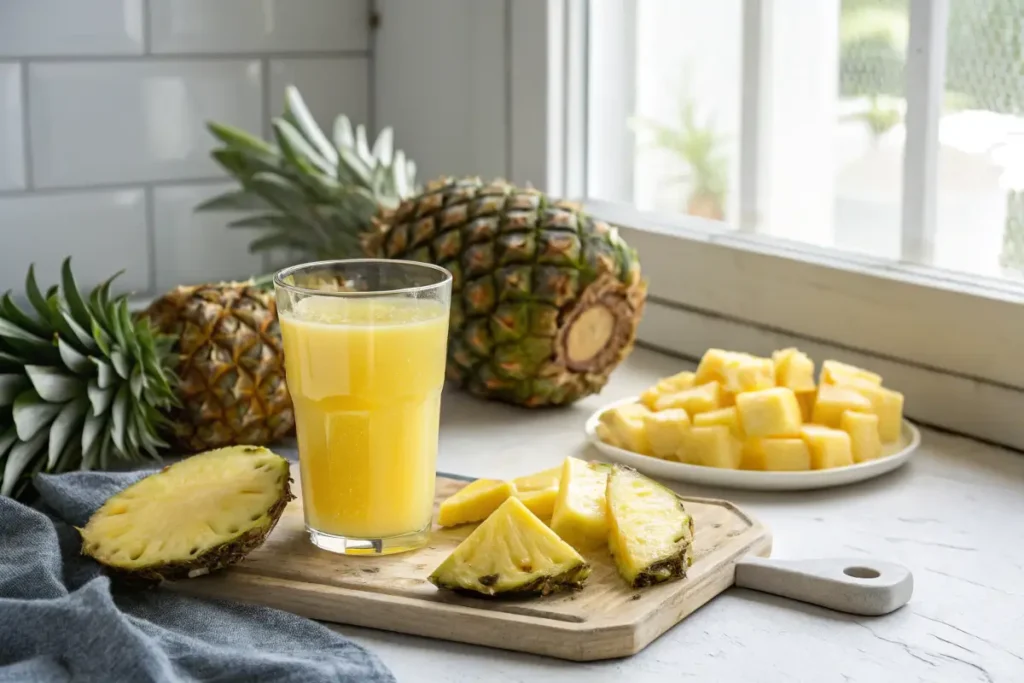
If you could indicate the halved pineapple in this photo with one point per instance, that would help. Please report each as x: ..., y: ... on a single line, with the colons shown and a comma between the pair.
x: 473, y: 502
x: 539, y: 491
x: 512, y: 552
x: 193, y: 517
x: 651, y: 534
x: 580, y: 516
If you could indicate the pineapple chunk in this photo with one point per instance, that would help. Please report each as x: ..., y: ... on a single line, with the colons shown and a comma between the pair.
x: 747, y: 373
x: 886, y: 404
x: 650, y: 533
x: 776, y: 455
x: 669, y: 385
x: 474, y: 502
x: 730, y: 417
x: 806, y: 400
x: 794, y: 370
x: 694, y: 401
x: 625, y: 423
x: 864, y: 439
x: 512, y: 552
x: 580, y: 515
x: 834, y: 372
x: 833, y: 401
x: 713, y: 446
x: 828, y: 447
x: 606, y: 435
x: 769, y: 412
x: 710, y: 367
x: 196, y: 516
x: 666, y: 430
x: 539, y: 491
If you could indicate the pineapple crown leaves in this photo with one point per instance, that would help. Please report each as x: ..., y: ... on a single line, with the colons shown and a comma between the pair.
x: 81, y: 383
x: 306, y: 191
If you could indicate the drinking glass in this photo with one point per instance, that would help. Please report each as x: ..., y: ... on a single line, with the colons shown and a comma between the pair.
x: 364, y: 347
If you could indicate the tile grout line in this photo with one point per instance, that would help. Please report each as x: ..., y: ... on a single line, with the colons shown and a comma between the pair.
x: 149, y: 197
x: 27, y: 167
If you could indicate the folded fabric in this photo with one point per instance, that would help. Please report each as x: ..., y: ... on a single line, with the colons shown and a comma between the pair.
x: 61, y: 619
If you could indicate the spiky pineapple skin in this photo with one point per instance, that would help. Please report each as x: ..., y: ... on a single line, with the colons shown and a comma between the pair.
x: 230, y: 364
x: 524, y: 267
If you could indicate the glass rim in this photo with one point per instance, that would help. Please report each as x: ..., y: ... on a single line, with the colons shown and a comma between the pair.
x: 290, y: 270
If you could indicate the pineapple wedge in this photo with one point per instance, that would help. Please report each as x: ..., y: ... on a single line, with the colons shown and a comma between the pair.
x: 539, y: 491
x: 512, y: 552
x: 473, y: 502
x: 580, y: 514
x: 196, y: 516
x: 650, y: 534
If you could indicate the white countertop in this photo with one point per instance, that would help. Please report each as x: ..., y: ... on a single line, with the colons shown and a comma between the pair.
x: 954, y: 515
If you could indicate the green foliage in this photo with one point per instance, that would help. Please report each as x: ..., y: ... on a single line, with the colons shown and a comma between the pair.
x: 82, y: 384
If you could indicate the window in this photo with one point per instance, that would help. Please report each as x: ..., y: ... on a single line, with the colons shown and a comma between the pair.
x: 845, y: 175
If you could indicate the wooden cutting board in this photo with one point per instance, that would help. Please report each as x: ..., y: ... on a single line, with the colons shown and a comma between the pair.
x: 605, y: 619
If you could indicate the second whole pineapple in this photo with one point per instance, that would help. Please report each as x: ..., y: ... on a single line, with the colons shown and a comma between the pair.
x: 546, y: 300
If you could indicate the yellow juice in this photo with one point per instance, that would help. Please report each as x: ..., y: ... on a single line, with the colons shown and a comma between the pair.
x: 365, y: 376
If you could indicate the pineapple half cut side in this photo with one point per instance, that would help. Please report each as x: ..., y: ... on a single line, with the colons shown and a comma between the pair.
x: 512, y: 552
x: 651, y: 533
x: 193, y: 517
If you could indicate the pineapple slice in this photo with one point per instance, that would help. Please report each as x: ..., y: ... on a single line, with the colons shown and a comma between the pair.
x: 650, y: 533
x: 666, y: 431
x: 580, y: 515
x: 196, y: 516
x: 539, y: 491
x: 474, y: 502
x: 512, y: 552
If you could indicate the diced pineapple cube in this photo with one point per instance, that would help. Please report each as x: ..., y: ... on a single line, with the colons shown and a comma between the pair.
x: 806, y: 400
x: 794, y: 370
x: 666, y: 430
x: 769, y: 412
x: 864, y: 438
x: 886, y: 404
x: 474, y: 502
x: 833, y: 401
x: 625, y: 425
x: 743, y: 372
x: 729, y: 417
x: 834, y: 372
x: 694, y: 401
x: 668, y: 385
x: 605, y: 434
x: 710, y: 367
x: 777, y: 455
x: 545, y: 479
x: 712, y: 446
x: 580, y: 515
x: 828, y: 447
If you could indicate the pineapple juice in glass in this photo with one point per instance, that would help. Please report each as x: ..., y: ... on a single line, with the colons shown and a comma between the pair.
x: 364, y: 347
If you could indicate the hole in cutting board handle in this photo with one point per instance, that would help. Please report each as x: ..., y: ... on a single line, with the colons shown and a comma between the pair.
x: 862, y: 572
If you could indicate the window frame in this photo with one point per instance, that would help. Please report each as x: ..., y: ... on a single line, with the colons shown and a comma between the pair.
x: 949, y: 341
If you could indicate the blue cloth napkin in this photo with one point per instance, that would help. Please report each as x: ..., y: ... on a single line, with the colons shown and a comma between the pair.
x: 62, y: 620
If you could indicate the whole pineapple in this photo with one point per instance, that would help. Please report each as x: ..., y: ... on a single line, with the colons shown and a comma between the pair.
x: 82, y: 385
x: 546, y: 300
x: 228, y: 356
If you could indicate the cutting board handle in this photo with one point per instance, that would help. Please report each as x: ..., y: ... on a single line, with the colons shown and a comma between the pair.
x: 853, y: 585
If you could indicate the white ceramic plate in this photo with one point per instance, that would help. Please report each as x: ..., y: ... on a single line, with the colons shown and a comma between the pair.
x: 893, y: 456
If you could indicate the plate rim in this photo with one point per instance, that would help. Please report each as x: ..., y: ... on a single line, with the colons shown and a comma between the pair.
x: 758, y: 479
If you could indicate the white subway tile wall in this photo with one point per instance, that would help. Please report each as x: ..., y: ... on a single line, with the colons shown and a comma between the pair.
x: 12, y: 142
x: 102, y: 231
x: 104, y: 151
